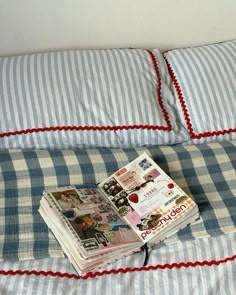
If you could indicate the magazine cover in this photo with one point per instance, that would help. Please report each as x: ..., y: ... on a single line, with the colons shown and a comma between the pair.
x: 134, y: 208
x: 147, y: 198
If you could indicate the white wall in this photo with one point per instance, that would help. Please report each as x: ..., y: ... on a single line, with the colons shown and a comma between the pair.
x: 39, y: 25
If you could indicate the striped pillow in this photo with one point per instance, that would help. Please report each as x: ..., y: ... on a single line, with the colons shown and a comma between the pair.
x: 205, y: 85
x: 86, y: 98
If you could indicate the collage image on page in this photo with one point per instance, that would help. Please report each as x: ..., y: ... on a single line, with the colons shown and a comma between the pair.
x: 146, y: 196
x: 95, y: 222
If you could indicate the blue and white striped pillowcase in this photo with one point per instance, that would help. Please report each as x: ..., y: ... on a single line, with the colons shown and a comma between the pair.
x: 206, y: 79
x: 85, y: 88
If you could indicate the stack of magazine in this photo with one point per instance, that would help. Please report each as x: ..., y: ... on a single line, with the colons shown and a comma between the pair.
x: 97, y: 224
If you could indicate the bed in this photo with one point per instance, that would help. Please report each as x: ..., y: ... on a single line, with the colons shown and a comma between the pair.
x: 76, y: 116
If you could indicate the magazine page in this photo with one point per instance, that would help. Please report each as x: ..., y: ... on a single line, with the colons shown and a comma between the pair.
x: 148, y: 199
x: 97, y: 226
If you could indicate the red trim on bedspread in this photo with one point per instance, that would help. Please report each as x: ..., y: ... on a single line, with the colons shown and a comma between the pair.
x: 119, y: 270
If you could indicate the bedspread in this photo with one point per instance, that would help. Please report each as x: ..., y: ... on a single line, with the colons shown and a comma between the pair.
x: 206, y: 172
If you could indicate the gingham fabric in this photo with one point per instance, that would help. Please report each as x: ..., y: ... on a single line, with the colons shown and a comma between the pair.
x: 204, y: 80
x: 205, y: 172
x: 87, y: 98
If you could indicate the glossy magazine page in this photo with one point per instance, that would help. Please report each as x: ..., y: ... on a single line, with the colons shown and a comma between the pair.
x: 148, y: 199
x: 89, y: 220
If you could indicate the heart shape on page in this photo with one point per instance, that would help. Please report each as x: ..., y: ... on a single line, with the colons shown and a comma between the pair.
x: 133, y: 198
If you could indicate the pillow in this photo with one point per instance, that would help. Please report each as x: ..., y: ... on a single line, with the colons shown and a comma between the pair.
x: 204, y: 79
x: 86, y: 98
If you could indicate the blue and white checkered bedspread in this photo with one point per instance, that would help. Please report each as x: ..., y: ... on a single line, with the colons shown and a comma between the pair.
x: 206, y: 172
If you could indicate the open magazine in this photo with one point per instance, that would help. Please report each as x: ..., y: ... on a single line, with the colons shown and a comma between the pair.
x: 96, y: 224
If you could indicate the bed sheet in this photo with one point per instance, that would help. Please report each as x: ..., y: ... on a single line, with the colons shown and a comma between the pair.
x: 203, y: 266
